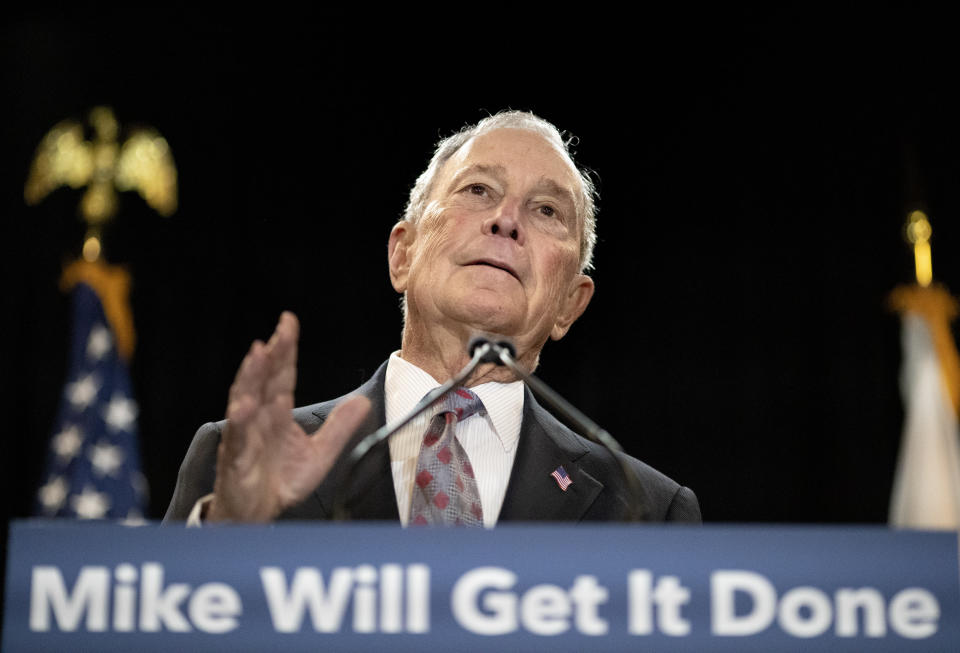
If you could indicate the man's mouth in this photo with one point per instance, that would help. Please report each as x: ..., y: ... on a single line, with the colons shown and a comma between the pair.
x: 498, y: 265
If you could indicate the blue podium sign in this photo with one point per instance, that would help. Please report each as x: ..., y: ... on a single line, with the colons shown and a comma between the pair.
x: 360, y: 587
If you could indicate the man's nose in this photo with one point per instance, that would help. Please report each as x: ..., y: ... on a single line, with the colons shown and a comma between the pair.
x: 506, y: 222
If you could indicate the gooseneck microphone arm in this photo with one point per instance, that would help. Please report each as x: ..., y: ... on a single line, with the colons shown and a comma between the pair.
x: 505, y: 353
x: 480, y: 352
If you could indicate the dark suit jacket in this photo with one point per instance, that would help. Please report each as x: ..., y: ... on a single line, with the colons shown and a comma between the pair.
x: 599, y: 492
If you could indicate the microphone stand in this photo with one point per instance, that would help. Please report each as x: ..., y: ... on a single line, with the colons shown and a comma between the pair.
x: 481, y: 352
x: 505, y: 352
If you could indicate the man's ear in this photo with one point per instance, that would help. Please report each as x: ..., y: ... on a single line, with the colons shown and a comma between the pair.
x: 579, y: 295
x: 401, y: 237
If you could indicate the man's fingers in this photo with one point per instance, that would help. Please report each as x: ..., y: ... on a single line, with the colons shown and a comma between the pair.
x: 250, y: 375
x: 269, y: 369
x: 282, y: 353
x: 342, y: 423
x: 240, y: 415
x: 244, y: 397
x: 287, y: 323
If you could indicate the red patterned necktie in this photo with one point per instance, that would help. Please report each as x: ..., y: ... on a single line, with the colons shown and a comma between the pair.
x: 444, y: 489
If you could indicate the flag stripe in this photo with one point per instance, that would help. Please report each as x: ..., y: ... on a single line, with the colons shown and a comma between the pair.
x: 560, y: 476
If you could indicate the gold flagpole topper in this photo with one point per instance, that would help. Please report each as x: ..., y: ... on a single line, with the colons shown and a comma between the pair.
x: 919, y: 232
x: 142, y: 163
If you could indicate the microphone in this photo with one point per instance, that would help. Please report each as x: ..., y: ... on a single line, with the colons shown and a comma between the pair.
x: 481, y: 351
x: 505, y: 353
x: 490, y: 352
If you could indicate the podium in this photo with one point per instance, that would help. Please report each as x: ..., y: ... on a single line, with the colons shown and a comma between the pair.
x: 367, y: 586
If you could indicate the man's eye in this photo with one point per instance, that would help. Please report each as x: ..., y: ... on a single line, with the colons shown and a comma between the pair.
x: 477, y: 189
x: 548, y: 211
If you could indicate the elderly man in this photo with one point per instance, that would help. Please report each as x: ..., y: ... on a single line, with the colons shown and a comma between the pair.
x: 497, y: 236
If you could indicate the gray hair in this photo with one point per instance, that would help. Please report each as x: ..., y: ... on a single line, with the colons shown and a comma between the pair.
x: 585, y: 196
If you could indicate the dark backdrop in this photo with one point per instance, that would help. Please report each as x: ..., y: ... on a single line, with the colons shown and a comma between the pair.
x: 755, y: 173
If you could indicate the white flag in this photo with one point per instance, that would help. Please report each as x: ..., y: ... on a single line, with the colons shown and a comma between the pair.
x: 926, y: 486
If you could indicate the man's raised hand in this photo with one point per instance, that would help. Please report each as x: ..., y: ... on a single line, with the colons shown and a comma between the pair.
x: 266, y: 462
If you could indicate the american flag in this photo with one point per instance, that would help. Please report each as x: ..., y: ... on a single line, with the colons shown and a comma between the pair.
x: 560, y: 476
x: 93, y: 466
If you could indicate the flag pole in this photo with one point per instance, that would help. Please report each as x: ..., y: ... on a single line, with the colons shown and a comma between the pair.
x: 926, y: 484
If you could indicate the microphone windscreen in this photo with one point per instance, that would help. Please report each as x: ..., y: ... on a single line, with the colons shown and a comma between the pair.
x: 475, y: 343
x: 506, y: 344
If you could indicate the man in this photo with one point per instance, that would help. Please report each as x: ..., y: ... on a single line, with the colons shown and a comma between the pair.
x: 496, y: 238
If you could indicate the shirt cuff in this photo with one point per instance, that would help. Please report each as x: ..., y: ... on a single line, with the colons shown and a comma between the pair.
x: 195, y: 518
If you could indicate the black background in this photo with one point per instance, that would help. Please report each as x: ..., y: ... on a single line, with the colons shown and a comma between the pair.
x: 755, y: 172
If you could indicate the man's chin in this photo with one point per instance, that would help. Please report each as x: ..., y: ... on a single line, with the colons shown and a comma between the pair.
x: 489, y: 317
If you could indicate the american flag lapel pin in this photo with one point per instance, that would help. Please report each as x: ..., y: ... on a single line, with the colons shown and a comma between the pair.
x: 561, y: 477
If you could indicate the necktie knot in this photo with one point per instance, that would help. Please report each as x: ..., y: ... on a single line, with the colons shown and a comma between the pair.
x: 462, y: 402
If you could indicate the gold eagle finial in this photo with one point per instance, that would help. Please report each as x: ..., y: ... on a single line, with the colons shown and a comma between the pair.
x: 142, y: 163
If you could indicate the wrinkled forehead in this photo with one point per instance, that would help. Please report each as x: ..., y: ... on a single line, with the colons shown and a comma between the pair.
x: 522, y: 153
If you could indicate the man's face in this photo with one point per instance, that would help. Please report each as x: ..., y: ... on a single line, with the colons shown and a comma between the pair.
x: 497, y: 248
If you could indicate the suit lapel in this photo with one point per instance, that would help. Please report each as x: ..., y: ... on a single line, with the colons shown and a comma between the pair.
x: 532, y: 493
x: 368, y: 487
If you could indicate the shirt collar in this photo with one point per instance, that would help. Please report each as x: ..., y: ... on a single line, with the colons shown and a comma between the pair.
x: 406, y: 384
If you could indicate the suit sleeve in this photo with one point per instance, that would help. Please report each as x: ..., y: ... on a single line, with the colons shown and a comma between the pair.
x: 197, y: 473
x: 684, y: 507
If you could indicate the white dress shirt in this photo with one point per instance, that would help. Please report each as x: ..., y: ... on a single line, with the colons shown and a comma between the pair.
x: 489, y: 437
